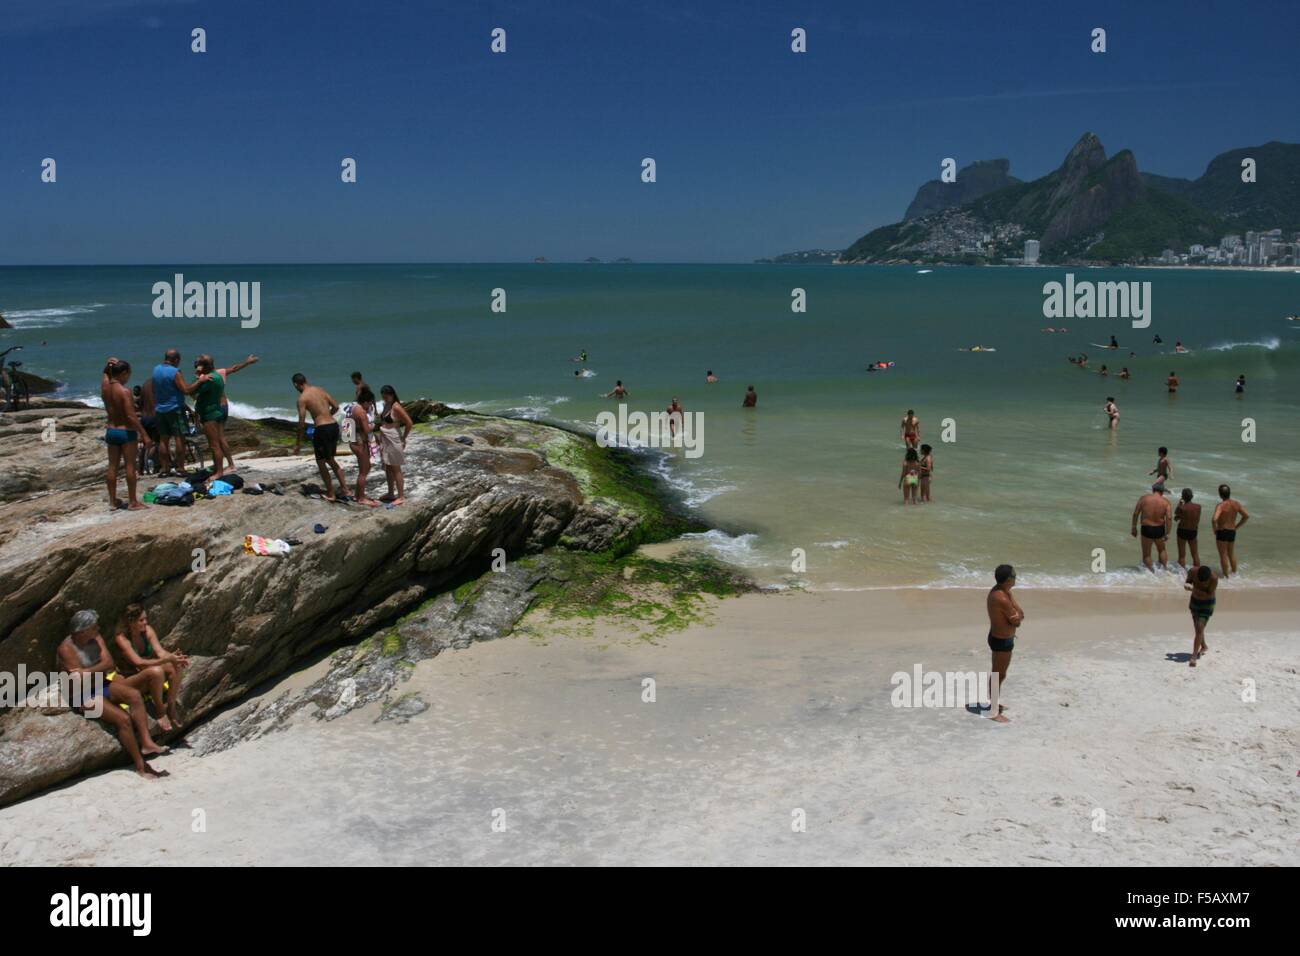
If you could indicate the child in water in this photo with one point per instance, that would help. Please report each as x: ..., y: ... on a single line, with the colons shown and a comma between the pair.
x: 910, y: 478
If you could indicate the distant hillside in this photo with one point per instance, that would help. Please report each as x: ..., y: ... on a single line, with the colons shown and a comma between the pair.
x: 804, y: 257
x: 1090, y: 207
x: 1271, y: 202
x: 978, y: 179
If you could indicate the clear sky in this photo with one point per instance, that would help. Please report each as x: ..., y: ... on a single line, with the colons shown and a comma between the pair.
x: 234, y: 155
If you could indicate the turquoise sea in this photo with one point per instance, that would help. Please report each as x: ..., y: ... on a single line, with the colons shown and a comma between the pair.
x: 1033, y: 477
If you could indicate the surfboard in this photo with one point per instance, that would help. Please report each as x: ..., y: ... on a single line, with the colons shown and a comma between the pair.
x: 1108, y: 348
x: 980, y: 349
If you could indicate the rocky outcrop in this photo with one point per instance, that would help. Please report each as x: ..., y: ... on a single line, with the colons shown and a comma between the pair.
x: 475, y: 484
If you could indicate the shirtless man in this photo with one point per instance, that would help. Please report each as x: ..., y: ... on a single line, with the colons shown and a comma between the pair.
x: 123, y: 433
x: 1124, y: 372
x: 1225, y: 526
x: 84, y: 653
x: 325, y: 438
x: 618, y: 391
x: 358, y: 383
x: 910, y: 429
x: 1162, y: 468
x: 1112, y: 410
x: 674, y: 412
x: 1005, y: 615
x: 1172, y: 382
x: 1188, y: 516
x: 709, y: 377
x: 751, y: 398
x: 1202, y: 583
x: 1157, y: 517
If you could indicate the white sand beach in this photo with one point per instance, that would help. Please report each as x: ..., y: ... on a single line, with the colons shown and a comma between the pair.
x: 1116, y: 753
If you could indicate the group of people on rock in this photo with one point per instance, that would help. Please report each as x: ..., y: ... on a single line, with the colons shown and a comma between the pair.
x: 375, y: 435
x: 154, y: 419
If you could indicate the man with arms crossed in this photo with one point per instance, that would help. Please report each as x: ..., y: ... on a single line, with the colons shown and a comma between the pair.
x: 1157, y: 518
x: 1005, y: 615
x: 1225, y: 525
x: 325, y: 437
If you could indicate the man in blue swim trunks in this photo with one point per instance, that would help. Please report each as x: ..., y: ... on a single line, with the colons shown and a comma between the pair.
x: 1005, y: 615
x: 123, y: 432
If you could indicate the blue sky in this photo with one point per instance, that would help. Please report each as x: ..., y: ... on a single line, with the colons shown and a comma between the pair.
x: 233, y: 155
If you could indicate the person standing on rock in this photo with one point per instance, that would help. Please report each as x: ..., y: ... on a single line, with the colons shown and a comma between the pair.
x: 394, y: 427
x: 123, y: 434
x: 359, y: 426
x: 325, y: 437
x: 169, y: 391
x: 209, y: 396
x: 83, y: 654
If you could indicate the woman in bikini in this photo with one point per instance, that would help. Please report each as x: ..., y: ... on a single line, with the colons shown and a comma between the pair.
x: 138, y: 648
x: 911, y: 475
x: 394, y: 427
x: 361, y: 417
x: 927, y: 471
x: 209, y: 392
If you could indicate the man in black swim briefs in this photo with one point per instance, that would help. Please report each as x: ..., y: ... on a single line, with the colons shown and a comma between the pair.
x: 1005, y: 615
x: 1157, y: 518
x: 1225, y: 524
x: 325, y: 438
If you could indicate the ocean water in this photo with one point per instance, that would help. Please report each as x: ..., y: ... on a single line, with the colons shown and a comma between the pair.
x: 1033, y: 476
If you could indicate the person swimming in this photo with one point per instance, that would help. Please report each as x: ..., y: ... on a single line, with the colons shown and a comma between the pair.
x: 1113, y: 343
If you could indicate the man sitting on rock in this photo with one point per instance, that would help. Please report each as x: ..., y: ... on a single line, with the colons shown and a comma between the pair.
x: 84, y: 653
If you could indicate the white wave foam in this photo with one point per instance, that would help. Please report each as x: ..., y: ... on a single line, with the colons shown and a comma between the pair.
x: 241, y: 410
x: 43, y: 318
x: 1270, y: 344
x: 738, y: 549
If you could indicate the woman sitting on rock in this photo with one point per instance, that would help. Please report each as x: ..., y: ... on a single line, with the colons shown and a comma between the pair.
x: 138, y: 648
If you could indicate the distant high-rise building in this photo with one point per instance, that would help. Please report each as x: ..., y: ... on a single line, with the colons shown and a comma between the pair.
x: 1031, y: 251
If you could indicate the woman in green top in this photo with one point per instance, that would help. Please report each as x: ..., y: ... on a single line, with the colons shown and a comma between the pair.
x: 210, y: 389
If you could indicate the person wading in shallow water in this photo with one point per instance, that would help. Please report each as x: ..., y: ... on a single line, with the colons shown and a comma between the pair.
x: 1157, y: 518
x: 1005, y: 616
x: 1225, y: 525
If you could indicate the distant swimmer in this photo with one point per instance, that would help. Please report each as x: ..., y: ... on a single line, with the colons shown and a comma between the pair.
x: 1113, y: 343
x: 1162, y: 468
x: 580, y: 357
x: 709, y: 377
x: 1225, y: 524
x: 1188, y: 517
x: 618, y: 391
x: 1005, y: 616
x: 1156, y: 517
x: 1241, y: 384
x: 1178, y: 347
x: 1157, y: 340
x: 1103, y: 371
x: 911, y: 429
x: 584, y: 373
x: 1124, y: 373
x: 1112, y: 412
x: 1172, y: 382
x: 751, y: 398
x: 927, y: 471
x: 1202, y: 583
x: 674, y: 412
x: 879, y: 366
x: 910, y: 478
x: 1081, y: 361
